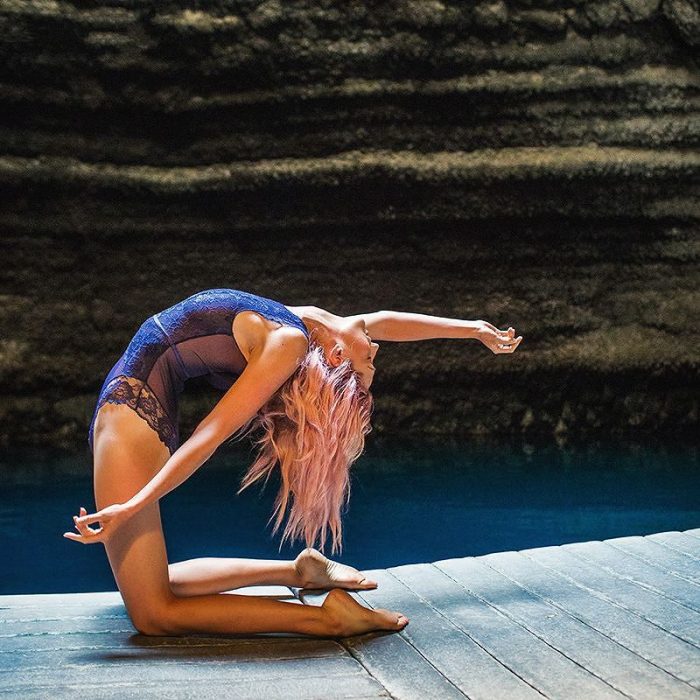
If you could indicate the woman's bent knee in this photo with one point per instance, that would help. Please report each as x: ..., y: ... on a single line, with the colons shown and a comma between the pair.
x: 155, y: 620
x: 152, y: 625
x: 149, y: 627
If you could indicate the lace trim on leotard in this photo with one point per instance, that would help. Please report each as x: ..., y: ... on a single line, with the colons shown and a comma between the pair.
x: 137, y: 395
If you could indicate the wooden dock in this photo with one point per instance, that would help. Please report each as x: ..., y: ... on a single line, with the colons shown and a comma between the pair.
x: 612, y: 619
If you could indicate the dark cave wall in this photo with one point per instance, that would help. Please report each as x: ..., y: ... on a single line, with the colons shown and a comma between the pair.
x: 530, y: 163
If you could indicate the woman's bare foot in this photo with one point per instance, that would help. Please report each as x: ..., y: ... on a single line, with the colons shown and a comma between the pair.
x: 317, y: 571
x: 347, y: 617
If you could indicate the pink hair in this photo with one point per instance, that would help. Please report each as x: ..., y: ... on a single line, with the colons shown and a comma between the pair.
x: 314, y: 426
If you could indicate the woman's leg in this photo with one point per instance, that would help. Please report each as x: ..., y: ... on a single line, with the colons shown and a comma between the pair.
x: 127, y: 453
x: 215, y: 575
x: 311, y: 569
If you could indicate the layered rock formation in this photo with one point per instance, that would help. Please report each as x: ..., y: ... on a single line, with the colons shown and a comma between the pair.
x: 534, y: 163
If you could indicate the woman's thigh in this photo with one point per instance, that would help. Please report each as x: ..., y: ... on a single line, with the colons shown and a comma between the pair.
x: 127, y: 454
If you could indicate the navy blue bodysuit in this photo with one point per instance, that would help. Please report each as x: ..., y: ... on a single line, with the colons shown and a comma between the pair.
x: 193, y: 338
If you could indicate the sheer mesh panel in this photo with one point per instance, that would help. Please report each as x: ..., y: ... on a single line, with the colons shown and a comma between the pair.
x: 193, y: 338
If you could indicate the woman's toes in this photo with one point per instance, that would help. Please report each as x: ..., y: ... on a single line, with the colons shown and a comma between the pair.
x: 393, y: 620
x: 366, y: 583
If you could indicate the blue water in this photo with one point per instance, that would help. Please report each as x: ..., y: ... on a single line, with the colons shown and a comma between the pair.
x: 410, y: 502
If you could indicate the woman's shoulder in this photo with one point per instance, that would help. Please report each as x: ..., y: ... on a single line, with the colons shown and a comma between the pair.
x: 253, y: 332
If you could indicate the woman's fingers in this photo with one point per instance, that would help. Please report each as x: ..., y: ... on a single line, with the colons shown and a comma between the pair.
x: 510, y: 345
x: 88, y: 519
x: 82, y: 528
x: 81, y: 525
x: 507, y: 334
x: 86, y: 534
x: 83, y: 539
x: 107, y: 517
x: 499, y: 341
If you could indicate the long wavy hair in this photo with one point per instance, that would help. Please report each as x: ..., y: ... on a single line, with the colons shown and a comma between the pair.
x: 314, y: 427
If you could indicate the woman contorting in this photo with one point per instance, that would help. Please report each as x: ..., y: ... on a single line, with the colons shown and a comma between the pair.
x: 301, y: 375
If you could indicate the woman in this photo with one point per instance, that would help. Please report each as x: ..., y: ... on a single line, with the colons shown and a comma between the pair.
x: 302, y: 375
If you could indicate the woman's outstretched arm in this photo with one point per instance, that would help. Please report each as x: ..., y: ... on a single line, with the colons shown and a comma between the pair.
x: 400, y: 326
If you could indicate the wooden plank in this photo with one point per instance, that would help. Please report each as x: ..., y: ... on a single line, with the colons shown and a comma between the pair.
x: 390, y: 658
x: 679, y: 541
x: 695, y: 532
x: 10, y: 616
x: 199, y: 671
x: 310, y: 687
x: 641, y: 572
x: 400, y: 669
x: 68, y: 642
x: 61, y: 610
x: 594, y: 619
x: 661, y: 611
x: 658, y: 555
x: 454, y: 654
x: 526, y: 655
x: 110, y: 641
x: 73, y: 624
x: 237, y: 652
x: 82, y: 639
x: 602, y: 657
x: 624, y: 627
x: 57, y: 600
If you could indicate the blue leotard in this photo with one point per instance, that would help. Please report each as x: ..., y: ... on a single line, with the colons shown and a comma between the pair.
x: 193, y: 338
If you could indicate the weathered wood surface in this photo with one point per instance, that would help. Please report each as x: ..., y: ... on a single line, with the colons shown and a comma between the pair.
x: 612, y: 619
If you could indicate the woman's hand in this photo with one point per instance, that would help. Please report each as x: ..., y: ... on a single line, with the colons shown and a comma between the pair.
x: 496, y: 340
x: 110, y: 517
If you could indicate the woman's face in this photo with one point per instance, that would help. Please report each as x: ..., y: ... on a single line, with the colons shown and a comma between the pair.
x: 361, y: 350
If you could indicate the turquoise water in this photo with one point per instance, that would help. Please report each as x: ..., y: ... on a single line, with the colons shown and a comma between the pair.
x: 410, y: 502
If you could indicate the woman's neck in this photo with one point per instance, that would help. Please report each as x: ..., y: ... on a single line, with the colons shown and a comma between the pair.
x: 321, y: 324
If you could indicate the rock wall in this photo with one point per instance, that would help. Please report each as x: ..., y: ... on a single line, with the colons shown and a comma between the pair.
x: 534, y: 163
